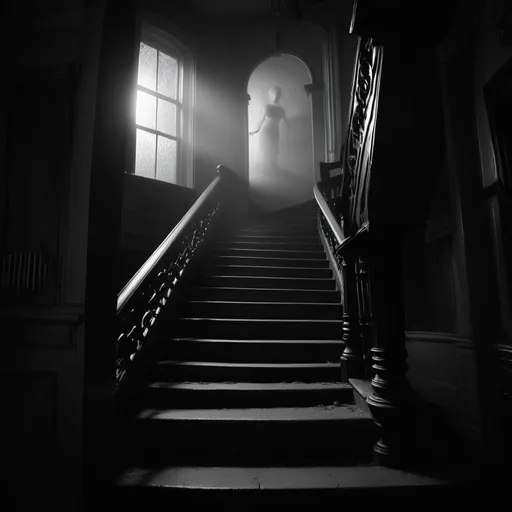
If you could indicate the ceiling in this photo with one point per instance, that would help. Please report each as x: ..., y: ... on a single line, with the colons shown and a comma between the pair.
x: 250, y: 8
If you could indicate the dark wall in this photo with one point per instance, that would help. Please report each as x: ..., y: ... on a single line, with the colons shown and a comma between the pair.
x: 151, y: 209
x: 49, y: 92
x: 441, y: 357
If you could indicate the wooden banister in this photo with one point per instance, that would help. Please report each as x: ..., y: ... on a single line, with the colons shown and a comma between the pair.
x: 144, y: 271
x: 142, y: 301
x: 329, y: 217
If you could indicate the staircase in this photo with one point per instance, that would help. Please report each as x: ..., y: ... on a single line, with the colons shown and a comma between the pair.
x: 245, y: 406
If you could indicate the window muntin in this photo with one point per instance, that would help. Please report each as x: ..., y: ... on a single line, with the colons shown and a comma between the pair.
x: 158, y: 115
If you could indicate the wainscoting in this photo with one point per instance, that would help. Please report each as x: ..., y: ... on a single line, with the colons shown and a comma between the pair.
x: 442, y: 368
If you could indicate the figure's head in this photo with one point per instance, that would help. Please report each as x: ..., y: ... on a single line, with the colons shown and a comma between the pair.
x: 274, y: 94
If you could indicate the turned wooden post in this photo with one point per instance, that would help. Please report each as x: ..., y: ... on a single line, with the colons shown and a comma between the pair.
x: 390, y: 403
x: 351, y: 359
x: 364, y: 299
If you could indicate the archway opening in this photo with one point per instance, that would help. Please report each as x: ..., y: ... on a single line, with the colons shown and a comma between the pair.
x: 281, y: 133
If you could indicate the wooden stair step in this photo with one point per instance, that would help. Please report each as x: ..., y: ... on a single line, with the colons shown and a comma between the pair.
x: 344, y: 480
x: 257, y: 328
x: 274, y: 415
x: 273, y: 432
x: 253, y: 351
x: 269, y: 262
x: 279, y: 231
x: 206, y: 371
x: 264, y: 310
x: 246, y: 394
x: 285, y: 246
x: 300, y: 283
x: 268, y: 271
x: 265, y: 294
x: 271, y: 253
x: 362, y: 390
x: 293, y: 238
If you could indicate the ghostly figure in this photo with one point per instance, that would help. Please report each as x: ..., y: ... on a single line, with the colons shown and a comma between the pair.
x: 271, y: 116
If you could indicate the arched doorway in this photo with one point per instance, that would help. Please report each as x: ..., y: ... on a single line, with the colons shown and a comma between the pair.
x: 281, y: 152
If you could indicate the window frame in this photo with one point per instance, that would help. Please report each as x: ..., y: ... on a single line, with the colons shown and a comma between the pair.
x: 163, y: 42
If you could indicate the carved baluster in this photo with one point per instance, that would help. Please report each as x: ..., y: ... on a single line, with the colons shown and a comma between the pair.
x: 390, y: 403
x: 351, y: 362
x: 365, y: 313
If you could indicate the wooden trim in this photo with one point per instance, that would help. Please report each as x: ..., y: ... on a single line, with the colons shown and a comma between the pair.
x: 439, y: 337
x: 161, y: 134
x: 41, y: 328
x: 313, y: 87
x: 159, y: 95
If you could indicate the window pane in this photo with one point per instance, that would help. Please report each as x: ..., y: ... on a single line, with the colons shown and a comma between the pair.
x: 167, y: 75
x: 145, y: 154
x: 166, y: 117
x: 166, y: 160
x: 146, y: 110
x: 147, y: 67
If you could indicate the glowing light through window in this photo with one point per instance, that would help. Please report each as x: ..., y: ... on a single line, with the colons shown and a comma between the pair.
x: 158, y: 112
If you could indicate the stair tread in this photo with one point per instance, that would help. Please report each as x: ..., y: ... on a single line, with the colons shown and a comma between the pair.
x: 248, y: 365
x: 267, y: 267
x: 324, y: 279
x: 282, y: 478
x: 221, y: 249
x: 266, y: 303
x: 361, y: 386
x: 272, y: 414
x: 234, y: 241
x: 279, y: 341
x: 311, y: 238
x: 292, y: 320
x: 264, y: 258
x: 251, y: 386
x: 234, y: 288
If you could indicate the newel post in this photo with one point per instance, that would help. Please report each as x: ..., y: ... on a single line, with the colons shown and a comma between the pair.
x: 391, y: 402
x: 351, y: 358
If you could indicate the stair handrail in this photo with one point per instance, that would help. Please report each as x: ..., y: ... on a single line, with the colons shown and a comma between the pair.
x: 327, y: 214
x: 142, y: 299
x: 146, y: 268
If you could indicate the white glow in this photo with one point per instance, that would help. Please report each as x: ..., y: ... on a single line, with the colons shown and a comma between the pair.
x: 145, y: 114
x: 291, y: 181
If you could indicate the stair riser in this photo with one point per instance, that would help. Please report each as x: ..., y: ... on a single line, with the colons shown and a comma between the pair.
x: 271, y: 310
x: 268, y: 238
x: 266, y: 440
x: 284, y: 246
x: 233, y: 270
x: 280, y: 232
x: 266, y: 330
x: 188, y: 399
x: 247, y: 352
x: 229, y: 499
x: 242, y: 374
x: 260, y: 282
x: 266, y: 253
x: 248, y: 295
x: 269, y: 262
